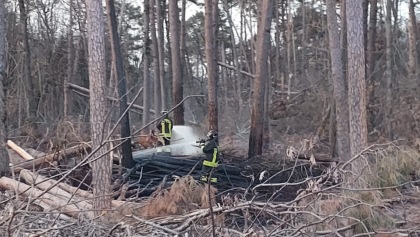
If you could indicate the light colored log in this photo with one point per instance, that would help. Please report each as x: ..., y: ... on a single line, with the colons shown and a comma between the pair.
x: 69, y: 152
x: 62, y: 188
x: 45, y: 184
x: 51, y: 200
x: 25, y: 155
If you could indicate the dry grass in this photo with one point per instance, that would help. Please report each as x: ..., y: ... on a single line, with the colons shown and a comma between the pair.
x: 394, y: 166
x: 185, y: 194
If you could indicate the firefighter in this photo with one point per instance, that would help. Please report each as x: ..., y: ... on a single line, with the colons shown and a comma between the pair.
x: 210, y: 148
x: 165, y: 126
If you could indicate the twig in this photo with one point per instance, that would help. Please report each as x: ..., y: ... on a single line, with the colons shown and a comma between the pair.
x: 154, y: 225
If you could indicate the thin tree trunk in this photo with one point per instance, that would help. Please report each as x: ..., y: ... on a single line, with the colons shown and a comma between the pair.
x: 210, y: 25
x: 289, y: 33
x: 155, y: 56
x: 146, y: 65
x: 388, y: 70
x: 117, y: 59
x: 101, y: 161
x: 339, y: 88
x: 257, y: 112
x: 69, y: 78
x: 371, y: 60
x: 413, y: 72
x: 343, y: 38
x: 4, y: 155
x: 177, y: 89
x: 161, y: 50
x: 29, y: 88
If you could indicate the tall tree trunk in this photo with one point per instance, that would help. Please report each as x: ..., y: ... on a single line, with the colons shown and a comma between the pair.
x: 371, y: 61
x: 177, y: 86
x: 117, y: 59
x: 4, y: 155
x: 289, y: 74
x: 155, y: 56
x: 341, y: 105
x: 29, y: 88
x: 343, y: 38
x: 146, y: 66
x: 388, y: 71
x: 161, y: 52
x: 413, y: 72
x: 210, y: 25
x: 257, y: 111
x: 101, y: 161
x: 69, y: 78
x: 356, y: 85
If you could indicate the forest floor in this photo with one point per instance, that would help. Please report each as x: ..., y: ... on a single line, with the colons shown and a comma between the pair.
x: 304, y: 201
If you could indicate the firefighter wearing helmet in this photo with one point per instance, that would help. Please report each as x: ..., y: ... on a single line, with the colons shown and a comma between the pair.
x: 210, y: 148
x: 165, y: 126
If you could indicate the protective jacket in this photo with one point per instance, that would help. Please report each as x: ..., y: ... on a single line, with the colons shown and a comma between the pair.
x: 211, y: 151
x: 165, y: 126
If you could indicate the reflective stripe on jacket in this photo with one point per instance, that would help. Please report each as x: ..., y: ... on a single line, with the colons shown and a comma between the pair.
x: 211, y: 150
x: 166, y: 128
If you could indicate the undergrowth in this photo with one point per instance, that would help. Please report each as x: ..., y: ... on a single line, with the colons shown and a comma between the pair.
x: 185, y: 194
x: 395, y: 166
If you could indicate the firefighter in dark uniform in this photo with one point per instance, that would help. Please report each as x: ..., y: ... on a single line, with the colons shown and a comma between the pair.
x: 165, y: 126
x: 210, y: 148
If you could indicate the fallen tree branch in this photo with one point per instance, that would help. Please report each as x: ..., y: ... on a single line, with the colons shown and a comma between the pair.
x: 25, y: 155
x: 57, y: 156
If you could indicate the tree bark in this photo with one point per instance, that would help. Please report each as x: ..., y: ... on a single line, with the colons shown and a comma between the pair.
x: 356, y: 85
x: 388, y: 70
x: 257, y: 111
x: 210, y: 25
x: 161, y: 50
x: 29, y: 88
x: 339, y: 88
x: 101, y: 161
x: 413, y: 72
x: 155, y: 59
x: 177, y: 86
x: 371, y: 61
x: 146, y: 64
x: 70, y: 52
x: 127, y: 157
x: 4, y: 155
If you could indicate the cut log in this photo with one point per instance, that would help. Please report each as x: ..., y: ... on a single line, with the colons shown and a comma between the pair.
x: 61, y: 189
x: 25, y: 155
x: 43, y: 184
x: 67, y: 153
x: 53, y: 201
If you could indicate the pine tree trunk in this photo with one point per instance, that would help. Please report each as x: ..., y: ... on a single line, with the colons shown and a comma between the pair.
x: 356, y: 85
x: 29, y: 88
x: 210, y: 25
x: 177, y: 82
x: 413, y: 72
x: 4, y: 155
x: 371, y: 61
x: 339, y: 88
x: 262, y: 47
x: 69, y: 78
x: 146, y: 66
x: 101, y: 162
x: 388, y: 70
x: 161, y: 52
x: 155, y: 56
x: 117, y: 60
